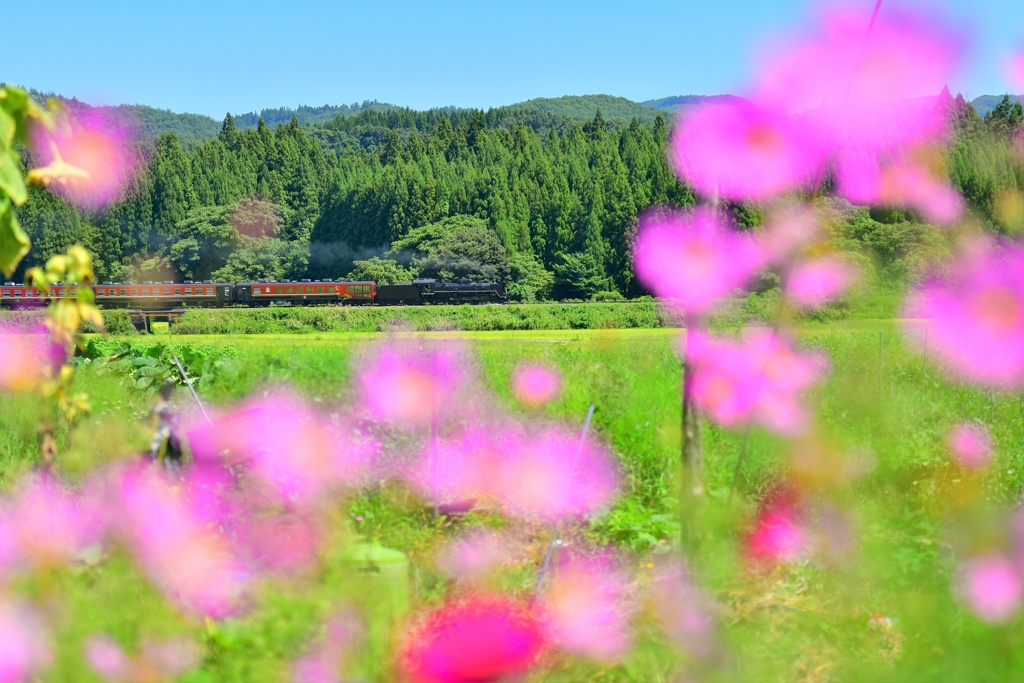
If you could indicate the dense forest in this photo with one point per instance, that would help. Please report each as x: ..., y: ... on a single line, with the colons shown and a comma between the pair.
x: 544, y: 200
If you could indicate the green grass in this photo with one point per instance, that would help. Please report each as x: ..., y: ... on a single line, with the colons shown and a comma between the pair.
x: 884, y: 423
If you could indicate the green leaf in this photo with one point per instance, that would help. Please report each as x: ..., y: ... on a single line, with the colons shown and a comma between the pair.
x: 8, y: 127
x: 14, y: 243
x: 143, y: 382
x: 11, y: 181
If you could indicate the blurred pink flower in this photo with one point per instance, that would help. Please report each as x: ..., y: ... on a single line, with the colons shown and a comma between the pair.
x: 585, y: 607
x: 473, y: 555
x: 281, y: 542
x: 157, y: 660
x: 288, y: 446
x: 975, y: 316
x: 867, y: 95
x: 478, y: 639
x: 408, y: 385
x: 993, y: 588
x: 971, y: 444
x: 183, y: 553
x: 549, y: 475
x: 49, y: 524
x: 740, y: 150
x: 535, y: 383
x: 104, y: 656
x: 692, y: 260
x: 759, y: 378
x: 778, y: 535
x: 787, y: 232
x: 27, y: 358
x: 322, y: 664
x: 462, y: 466
x: 814, y: 282
x: 24, y: 643
x: 907, y: 183
x: 1014, y: 68
x: 684, y: 612
x: 96, y: 144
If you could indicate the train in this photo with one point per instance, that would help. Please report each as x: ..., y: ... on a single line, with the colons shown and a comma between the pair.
x: 170, y: 296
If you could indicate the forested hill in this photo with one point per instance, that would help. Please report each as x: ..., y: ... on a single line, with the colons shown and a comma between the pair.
x: 548, y: 201
x: 986, y: 103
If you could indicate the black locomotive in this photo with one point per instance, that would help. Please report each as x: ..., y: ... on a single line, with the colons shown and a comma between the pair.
x: 168, y: 296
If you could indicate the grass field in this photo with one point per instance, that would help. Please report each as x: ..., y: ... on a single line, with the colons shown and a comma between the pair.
x: 883, y: 415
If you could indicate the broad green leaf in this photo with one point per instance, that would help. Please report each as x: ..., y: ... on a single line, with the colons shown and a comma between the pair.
x: 14, y: 243
x: 8, y: 127
x: 143, y: 382
x: 11, y: 181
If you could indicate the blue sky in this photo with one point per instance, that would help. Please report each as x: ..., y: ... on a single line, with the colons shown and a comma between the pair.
x: 214, y: 56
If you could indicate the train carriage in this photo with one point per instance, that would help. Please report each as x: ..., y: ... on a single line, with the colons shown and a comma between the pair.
x: 304, y: 292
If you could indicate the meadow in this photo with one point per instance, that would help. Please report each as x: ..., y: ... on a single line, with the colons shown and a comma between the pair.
x: 877, y: 602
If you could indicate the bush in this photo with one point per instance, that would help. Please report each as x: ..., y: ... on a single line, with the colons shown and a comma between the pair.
x: 607, y: 296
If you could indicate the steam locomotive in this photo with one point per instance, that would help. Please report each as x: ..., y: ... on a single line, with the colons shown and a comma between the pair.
x: 167, y: 296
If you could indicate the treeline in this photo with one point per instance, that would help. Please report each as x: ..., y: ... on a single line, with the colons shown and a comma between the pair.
x: 559, y: 196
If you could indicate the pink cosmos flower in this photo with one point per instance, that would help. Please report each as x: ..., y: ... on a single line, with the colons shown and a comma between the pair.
x: 814, y: 282
x: 975, y: 316
x: 472, y: 556
x: 759, y: 378
x: 585, y: 608
x: 1014, y: 68
x: 778, y: 535
x: 479, y: 638
x: 743, y: 151
x: 993, y: 588
x: 971, y: 444
x: 535, y: 383
x: 462, y: 466
x: 908, y: 183
x: 549, y: 475
x: 99, y: 150
x: 323, y: 663
x: 787, y: 232
x: 49, y: 525
x: 867, y: 95
x: 27, y: 358
x: 684, y: 612
x: 156, y: 660
x: 693, y: 260
x: 182, y: 552
x: 24, y: 643
x: 410, y: 386
x: 288, y: 446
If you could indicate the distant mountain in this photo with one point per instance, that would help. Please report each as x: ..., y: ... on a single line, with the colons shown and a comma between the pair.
x: 680, y: 103
x: 585, y: 106
x: 987, y: 103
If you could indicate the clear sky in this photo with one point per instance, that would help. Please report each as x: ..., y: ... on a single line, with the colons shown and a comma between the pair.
x: 213, y: 56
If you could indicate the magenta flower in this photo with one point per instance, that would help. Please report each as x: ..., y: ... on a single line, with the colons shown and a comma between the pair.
x: 868, y: 96
x: 48, y: 524
x: 27, y: 358
x: 323, y: 663
x: 693, y: 260
x: 971, y: 444
x: 759, y: 378
x: 288, y: 447
x: 585, y: 607
x: 410, y: 386
x: 91, y: 156
x: 479, y: 638
x: 684, y: 612
x: 743, y: 151
x: 474, y: 555
x: 814, y: 282
x: 909, y: 184
x: 1014, y: 67
x: 992, y: 588
x: 778, y: 535
x: 975, y: 316
x: 788, y: 232
x: 549, y: 475
x: 463, y: 466
x: 104, y: 656
x: 183, y: 553
x: 156, y: 661
x: 535, y: 384
x: 24, y: 643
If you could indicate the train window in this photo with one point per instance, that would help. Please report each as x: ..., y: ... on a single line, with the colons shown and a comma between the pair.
x: 177, y: 290
x: 145, y: 292
x: 124, y: 292
x: 17, y: 292
x: 167, y: 292
x: 319, y: 290
x: 188, y: 290
x: 287, y: 290
x: 7, y: 292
